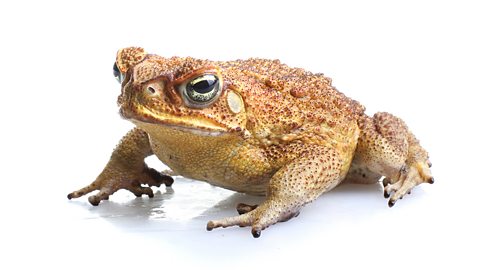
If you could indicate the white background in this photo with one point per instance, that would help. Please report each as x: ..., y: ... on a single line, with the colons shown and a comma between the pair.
x: 416, y: 59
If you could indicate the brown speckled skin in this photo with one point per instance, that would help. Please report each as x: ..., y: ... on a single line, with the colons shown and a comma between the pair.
x: 274, y: 130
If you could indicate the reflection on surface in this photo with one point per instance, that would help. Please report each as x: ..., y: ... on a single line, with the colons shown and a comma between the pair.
x: 185, y: 200
x: 188, y: 204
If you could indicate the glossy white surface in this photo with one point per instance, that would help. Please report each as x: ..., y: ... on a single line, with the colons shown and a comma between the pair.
x: 416, y: 59
x: 348, y: 226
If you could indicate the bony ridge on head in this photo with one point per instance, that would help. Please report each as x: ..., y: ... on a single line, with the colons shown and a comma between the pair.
x: 126, y: 58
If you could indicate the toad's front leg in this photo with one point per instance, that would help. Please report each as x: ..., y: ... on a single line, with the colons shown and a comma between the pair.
x: 126, y: 170
x: 315, y: 171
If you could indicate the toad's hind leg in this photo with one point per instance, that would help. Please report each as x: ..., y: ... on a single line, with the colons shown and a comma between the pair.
x: 386, y: 147
x: 360, y: 174
x: 313, y: 172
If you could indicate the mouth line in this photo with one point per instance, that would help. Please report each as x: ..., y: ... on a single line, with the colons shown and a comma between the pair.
x: 147, y: 117
x: 196, y: 131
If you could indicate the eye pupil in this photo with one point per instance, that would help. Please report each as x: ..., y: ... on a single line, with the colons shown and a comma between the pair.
x: 204, y: 86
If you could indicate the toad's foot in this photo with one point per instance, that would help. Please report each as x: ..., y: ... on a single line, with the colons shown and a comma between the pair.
x: 386, y: 147
x: 126, y: 170
x: 112, y: 180
x: 259, y: 218
x: 410, y: 176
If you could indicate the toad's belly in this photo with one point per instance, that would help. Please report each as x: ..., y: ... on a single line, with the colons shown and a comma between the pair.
x: 223, y: 172
x: 224, y: 160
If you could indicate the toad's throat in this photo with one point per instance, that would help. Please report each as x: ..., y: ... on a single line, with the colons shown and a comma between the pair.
x: 143, y: 117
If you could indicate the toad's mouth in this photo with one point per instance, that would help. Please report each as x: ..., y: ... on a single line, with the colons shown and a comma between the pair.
x: 143, y: 117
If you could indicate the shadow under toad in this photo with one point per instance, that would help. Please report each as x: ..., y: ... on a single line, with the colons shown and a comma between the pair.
x: 191, y: 204
x: 186, y: 201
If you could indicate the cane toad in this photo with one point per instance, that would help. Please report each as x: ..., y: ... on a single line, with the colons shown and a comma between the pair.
x: 255, y: 126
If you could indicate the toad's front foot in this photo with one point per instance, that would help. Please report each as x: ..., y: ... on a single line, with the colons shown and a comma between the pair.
x: 259, y: 218
x: 410, y: 176
x: 114, y: 178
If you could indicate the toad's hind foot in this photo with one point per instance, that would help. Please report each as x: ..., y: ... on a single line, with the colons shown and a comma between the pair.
x: 109, y: 181
x: 386, y: 147
x: 410, y: 176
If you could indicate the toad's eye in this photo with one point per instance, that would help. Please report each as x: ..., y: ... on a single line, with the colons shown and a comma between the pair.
x: 201, y: 91
x: 116, y: 72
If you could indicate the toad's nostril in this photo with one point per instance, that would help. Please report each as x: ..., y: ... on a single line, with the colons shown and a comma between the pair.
x: 151, y: 90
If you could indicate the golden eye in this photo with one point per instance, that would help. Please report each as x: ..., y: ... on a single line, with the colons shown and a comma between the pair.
x: 203, y: 88
x: 201, y: 91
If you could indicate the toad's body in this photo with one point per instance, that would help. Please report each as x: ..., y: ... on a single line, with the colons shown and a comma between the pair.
x: 254, y: 126
x: 281, y: 112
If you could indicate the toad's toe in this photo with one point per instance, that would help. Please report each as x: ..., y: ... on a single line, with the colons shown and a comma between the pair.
x: 410, y: 177
x: 245, y: 208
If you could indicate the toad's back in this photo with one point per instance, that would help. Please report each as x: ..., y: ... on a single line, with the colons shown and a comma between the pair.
x: 294, y: 104
x: 311, y: 93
